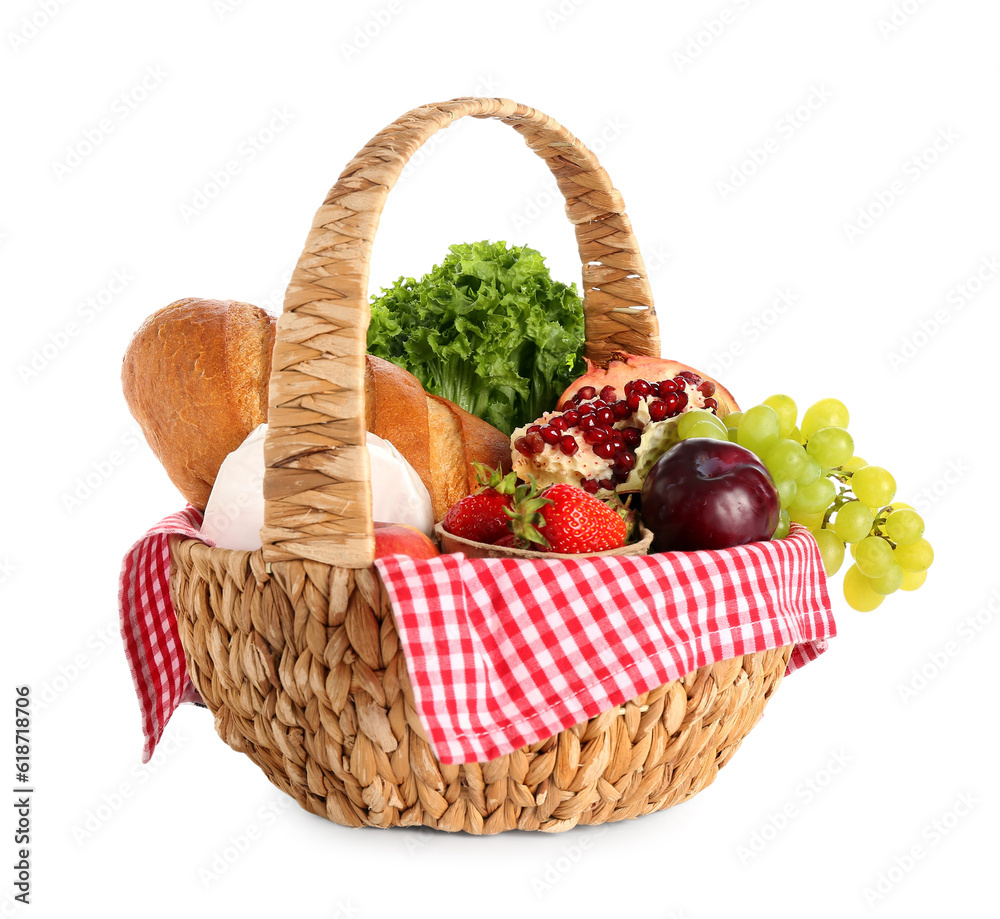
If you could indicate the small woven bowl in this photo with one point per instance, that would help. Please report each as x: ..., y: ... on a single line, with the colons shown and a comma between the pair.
x: 451, y: 543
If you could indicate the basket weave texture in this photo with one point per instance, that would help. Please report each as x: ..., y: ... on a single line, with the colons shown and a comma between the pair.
x: 294, y: 647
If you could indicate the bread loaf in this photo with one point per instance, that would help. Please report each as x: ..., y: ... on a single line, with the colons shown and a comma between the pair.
x: 195, y: 378
x: 196, y: 374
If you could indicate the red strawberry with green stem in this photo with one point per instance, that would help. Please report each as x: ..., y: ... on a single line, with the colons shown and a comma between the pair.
x: 566, y: 519
x: 480, y: 517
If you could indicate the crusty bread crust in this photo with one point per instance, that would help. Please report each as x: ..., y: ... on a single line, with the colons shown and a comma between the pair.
x: 481, y: 441
x: 450, y: 481
x: 195, y: 378
x: 396, y: 410
x: 196, y: 375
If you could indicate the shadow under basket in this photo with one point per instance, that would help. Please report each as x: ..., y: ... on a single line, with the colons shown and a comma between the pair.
x: 294, y: 647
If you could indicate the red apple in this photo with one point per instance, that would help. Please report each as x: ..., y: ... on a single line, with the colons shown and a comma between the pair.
x: 400, y: 539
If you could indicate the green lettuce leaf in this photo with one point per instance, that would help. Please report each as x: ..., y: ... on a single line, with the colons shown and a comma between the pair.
x: 488, y: 328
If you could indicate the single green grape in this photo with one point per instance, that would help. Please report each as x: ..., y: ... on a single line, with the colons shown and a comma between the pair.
x: 786, y: 459
x: 830, y: 447
x: 853, y: 464
x: 698, y: 416
x: 831, y: 547
x: 784, y: 524
x: 759, y: 429
x: 786, y: 491
x: 823, y: 414
x: 916, y: 556
x: 732, y: 422
x: 815, y: 498
x: 904, y: 526
x: 810, y: 474
x: 853, y: 521
x: 858, y: 591
x: 811, y: 521
x: 889, y: 583
x: 796, y: 435
x: 873, y: 556
x: 787, y: 411
x: 706, y: 430
x: 873, y: 485
x: 913, y: 579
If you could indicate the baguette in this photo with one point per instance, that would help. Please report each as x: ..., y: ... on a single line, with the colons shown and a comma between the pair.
x: 196, y: 374
x: 195, y: 378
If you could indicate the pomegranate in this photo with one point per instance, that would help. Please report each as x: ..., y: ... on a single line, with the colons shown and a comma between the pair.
x: 613, y: 423
x: 635, y: 367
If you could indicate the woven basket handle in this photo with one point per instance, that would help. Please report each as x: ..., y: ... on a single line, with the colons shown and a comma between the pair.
x: 317, y: 482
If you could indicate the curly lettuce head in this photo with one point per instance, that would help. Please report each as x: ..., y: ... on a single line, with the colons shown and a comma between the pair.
x: 488, y: 328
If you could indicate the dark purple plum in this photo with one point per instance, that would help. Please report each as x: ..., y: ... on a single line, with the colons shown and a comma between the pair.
x: 708, y: 494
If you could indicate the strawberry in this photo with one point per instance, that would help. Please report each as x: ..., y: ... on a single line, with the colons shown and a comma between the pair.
x: 566, y: 519
x: 480, y: 516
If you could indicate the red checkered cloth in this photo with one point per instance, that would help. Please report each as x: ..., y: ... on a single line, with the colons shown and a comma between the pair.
x: 149, y: 625
x: 504, y: 652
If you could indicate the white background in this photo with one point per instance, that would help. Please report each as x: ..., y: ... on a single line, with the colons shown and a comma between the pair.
x: 675, y: 101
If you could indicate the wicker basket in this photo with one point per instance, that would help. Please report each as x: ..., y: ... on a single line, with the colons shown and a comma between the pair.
x: 294, y: 648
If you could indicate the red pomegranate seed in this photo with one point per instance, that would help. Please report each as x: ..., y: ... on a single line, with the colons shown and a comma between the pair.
x: 572, y: 418
x: 633, y: 400
x: 608, y: 394
x: 607, y: 483
x: 625, y: 461
x: 586, y: 409
x: 658, y: 410
x: 586, y: 392
x: 711, y: 404
x: 689, y: 375
x: 605, y: 451
x: 597, y: 403
x: 605, y: 415
x: 631, y: 436
x: 682, y: 401
x: 619, y: 476
x: 642, y: 387
x: 707, y: 388
x: 568, y: 444
x: 672, y: 401
x: 587, y: 422
x: 595, y: 436
x: 668, y: 386
x: 535, y: 442
x: 621, y: 410
x: 534, y: 429
x: 590, y: 486
x: 549, y: 434
x: 558, y: 422
x: 521, y: 445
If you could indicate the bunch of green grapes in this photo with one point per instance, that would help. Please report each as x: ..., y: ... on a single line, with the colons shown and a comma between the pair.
x: 822, y: 485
